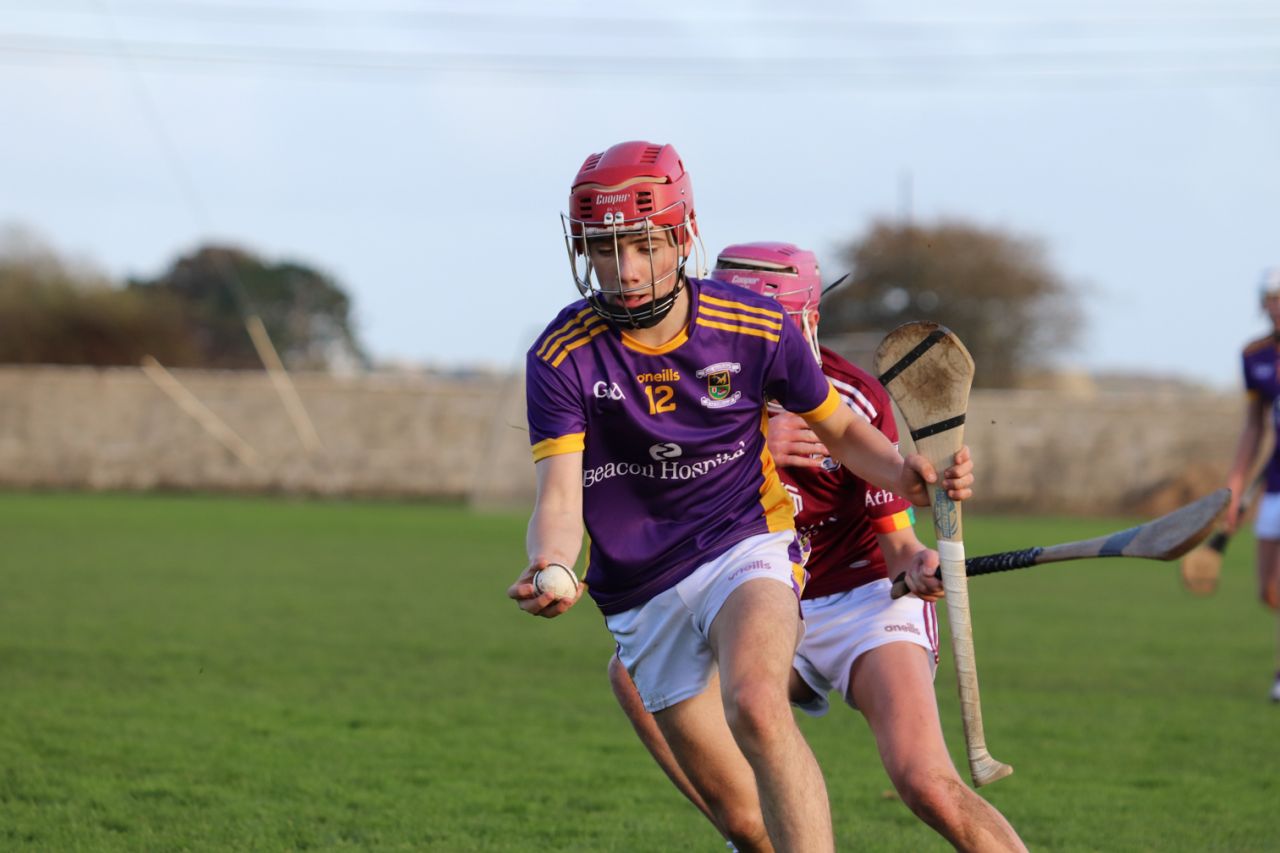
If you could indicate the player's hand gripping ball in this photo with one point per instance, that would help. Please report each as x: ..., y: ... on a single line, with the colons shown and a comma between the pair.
x: 556, y: 579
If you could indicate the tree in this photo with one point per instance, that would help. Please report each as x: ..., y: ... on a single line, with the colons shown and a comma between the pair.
x: 306, y: 313
x: 57, y: 311
x: 993, y: 289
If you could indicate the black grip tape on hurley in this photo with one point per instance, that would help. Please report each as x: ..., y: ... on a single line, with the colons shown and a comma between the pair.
x: 913, y: 356
x: 935, y: 428
x: 1002, y: 562
x: 985, y: 565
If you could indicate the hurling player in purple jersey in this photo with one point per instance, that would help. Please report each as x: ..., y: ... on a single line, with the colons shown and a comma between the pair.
x: 1262, y: 384
x: 647, y: 411
x: 878, y: 654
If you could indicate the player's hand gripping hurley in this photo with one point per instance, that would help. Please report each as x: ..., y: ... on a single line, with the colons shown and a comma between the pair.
x: 928, y: 372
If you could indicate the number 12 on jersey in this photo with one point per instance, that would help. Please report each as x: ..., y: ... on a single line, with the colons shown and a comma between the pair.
x: 660, y: 398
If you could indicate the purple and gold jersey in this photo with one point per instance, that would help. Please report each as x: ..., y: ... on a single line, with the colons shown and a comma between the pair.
x: 675, y: 468
x: 1262, y: 380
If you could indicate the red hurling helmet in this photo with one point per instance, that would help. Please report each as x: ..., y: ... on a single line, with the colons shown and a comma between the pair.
x: 782, y: 271
x: 631, y: 188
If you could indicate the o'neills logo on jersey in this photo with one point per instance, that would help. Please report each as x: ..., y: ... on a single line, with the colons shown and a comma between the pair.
x: 670, y: 374
x: 612, y: 198
x: 719, y: 381
x: 659, y: 470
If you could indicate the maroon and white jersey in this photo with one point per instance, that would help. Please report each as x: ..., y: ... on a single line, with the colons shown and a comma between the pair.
x: 836, y: 510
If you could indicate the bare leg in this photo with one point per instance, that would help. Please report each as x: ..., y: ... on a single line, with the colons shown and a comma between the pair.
x: 624, y: 690
x: 698, y: 736
x: 754, y: 639
x: 1269, y: 593
x: 1269, y: 572
x: 893, y: 687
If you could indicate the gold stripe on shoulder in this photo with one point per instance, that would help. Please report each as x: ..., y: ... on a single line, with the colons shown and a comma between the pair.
x: 741, y: 330
x: 742, y: 318
x: 593, y: 326
x: 576, y: 328
x: 573, y: 345
x: 726, y: 303
x: 552, y: 335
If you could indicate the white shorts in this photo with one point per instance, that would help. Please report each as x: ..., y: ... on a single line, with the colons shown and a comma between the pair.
x: 840, y: 628
x: 1267, y: 524
x: 664, y: 643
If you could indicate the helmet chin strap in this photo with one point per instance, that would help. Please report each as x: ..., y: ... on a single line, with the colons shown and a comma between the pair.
x: 810, y: 334
x: 647, y: 317
x: 656, y: 310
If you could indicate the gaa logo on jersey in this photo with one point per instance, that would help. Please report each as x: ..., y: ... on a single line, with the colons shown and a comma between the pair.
x: 719, y: 378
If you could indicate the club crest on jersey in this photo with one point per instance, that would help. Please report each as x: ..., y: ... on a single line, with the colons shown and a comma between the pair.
x: 719, y: 378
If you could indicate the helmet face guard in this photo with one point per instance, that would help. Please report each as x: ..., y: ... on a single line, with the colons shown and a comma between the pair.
x: 633, y: 188
x: 607, y: 295
x: 780, y: 271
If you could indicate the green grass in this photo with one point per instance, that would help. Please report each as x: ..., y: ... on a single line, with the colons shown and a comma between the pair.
x: 217, y: 674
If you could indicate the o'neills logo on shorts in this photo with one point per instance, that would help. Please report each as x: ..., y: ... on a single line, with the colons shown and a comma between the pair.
x: 753, y: 566
x: 909, y: 629
x: 612, y: 198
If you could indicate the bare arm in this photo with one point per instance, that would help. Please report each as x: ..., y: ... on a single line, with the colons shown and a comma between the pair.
x: 555, y: 532
x: 869, y: 454
x: 1246, y: 452
x: 904, y: 554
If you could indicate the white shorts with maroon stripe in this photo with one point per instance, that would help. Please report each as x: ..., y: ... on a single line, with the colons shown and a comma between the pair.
x: 840, y: 628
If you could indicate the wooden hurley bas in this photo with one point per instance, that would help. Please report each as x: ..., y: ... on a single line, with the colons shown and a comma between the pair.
x: 928, y: 372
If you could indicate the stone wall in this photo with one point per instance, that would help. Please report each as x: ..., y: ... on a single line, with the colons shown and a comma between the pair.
x: 382, y: 435
x: 440, y: 438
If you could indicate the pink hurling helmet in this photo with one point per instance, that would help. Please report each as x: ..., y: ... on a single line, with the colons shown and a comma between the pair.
x: 633, y: 187
x: 782, y: 271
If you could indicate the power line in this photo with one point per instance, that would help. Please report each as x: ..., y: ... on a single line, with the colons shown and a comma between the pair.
x: 691, y: 24
x: 1080, y: 62
x: 262, y: 343
x: 732, y: 16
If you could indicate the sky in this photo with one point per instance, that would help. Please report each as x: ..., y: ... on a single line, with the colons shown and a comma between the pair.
x: 421, y: 153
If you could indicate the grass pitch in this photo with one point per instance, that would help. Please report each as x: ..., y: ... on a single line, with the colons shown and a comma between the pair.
x: 225, y: 674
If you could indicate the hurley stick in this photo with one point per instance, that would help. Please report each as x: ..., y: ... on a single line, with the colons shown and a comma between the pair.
x: 928, y: 372
x: 1165, y: 538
